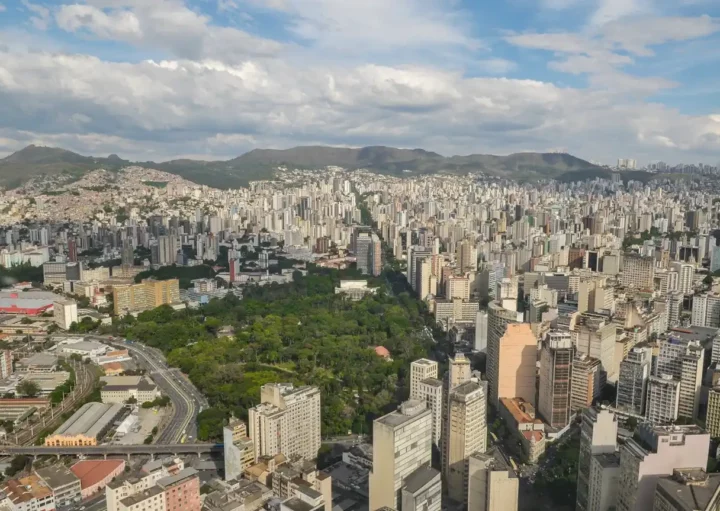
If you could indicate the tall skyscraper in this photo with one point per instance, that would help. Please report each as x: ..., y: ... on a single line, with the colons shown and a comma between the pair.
x: 597, y: 462
x: 585, y: 383
x: 238, y: 449
x: 663, y: 399
x: 467, y: 434
x: 498, y: 320
x: 595, y: 337
x: 287, y: 421
x: 467, y: 256
x: 556, y: 357
x: 6, y: 363
x: 481, y: 332
x: 401, y: 444
x: 426, y: 387
x: 633, y: 379
x: 517, y: 357
x: 685, y: 273
x: 691, y: 381
x: 659, y: 451
x: 492, y: 483
x: 712, y: 418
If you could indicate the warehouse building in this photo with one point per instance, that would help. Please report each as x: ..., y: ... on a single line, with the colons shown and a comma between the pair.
x: 86, y: 426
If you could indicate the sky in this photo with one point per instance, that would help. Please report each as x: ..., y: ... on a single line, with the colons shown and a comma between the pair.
x: 211, y: 79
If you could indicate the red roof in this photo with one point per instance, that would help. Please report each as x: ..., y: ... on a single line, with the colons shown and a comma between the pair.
x: 382, y: 351
x: 91, y: 472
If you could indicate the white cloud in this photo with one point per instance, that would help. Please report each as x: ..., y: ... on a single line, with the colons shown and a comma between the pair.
x: 41, y: 15
x: 2, y: 8
x: 611, y: 10
x: 161, y: 110
x: 162, y: 24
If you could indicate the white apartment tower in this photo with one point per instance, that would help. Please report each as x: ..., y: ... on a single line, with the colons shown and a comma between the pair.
x: 596, y: 468
x: 663, y: 399
x: 426, y: 387
x: 467, y: 434
x: 287, y: 421
x: 685, y: 273
x: 401, y: 444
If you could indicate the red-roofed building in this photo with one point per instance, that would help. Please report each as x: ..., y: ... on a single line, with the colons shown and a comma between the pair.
x: 94, y: 475
x: 382, y: 351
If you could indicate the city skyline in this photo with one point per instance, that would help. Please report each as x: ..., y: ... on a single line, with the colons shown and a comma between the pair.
x: 601, y: 79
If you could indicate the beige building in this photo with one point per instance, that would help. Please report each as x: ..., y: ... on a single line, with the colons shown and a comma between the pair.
x: 492, y: 483
x: 457, y: 287
x: 401, y: 444
x: 712, y: 420
x: 86, y: 426
x: 595, y: 336
x: 585, y: 382
x: 638, y: 272
x: 119, y: 389
x: 467, y: 434
x: 65, y: 313
x: 659, y: 451
x: 420, y: 370
x: 238, y: 449
x: 517, y: 357
x: 146, y: 295
x: 556, y: 357
x: 498, y: 320
x: 286, y: 422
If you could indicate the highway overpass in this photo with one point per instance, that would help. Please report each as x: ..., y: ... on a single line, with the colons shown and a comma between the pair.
x: 112, y: 450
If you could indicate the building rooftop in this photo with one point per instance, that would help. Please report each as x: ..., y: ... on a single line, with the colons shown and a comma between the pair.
x: 57, y: 476
x: 91, y: 472
x: 295, y: 504
x: 26, y: 489
x: 433, y: 382
x: 186, y: 473
x: 142, y: 496
x: 89, y: 419
x: 690, y: 489
x: 608, y: 460
x: 420, y: 478
x: 407, y: 412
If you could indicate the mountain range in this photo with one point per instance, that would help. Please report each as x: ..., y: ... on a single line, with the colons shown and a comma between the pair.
x: 34, y: 161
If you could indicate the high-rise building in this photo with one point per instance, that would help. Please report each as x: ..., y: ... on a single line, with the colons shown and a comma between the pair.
x: 556, y: 357
x: 401, y: 444
x: 706, y: 310
x: 638, y: 272
x: 585, y: 384
x: 633, y: 380
x: 239, y: 453
x: 685, y: 273
x: 368, y: 253
x: 597, y: 462
x: 287, y: 421
x: 498, y: 320
x: 467, y: 256
x: 595, y: 337
x: 658, y: 452
x: 481, y: 332
x: 517, y: 358
x: 127, y: 256
x: 712, y: 419
x: 691, y: 381
x: 492, y: 483
x: 65, y: 313
x: 72, y: 250
x: 421, y: 370
x: 466, y: 434
x: 663, y: 399
x: 6, y: 363
x: 426, y: 387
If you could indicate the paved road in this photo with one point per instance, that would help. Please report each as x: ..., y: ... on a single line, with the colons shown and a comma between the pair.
x: 186, y: 404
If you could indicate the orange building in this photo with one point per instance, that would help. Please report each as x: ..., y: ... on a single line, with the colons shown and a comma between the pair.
x: 517, y: 355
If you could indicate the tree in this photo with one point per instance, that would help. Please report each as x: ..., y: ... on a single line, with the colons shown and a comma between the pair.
x: 131, y: 400
x: 708, y: 280
x: 28, y: 388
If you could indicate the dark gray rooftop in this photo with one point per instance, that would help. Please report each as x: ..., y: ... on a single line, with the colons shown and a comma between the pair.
x: 420, y: 478
x: 690, y: 497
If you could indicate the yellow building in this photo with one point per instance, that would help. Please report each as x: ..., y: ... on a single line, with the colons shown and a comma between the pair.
x: 146, y: 295
x: 712, y: 420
